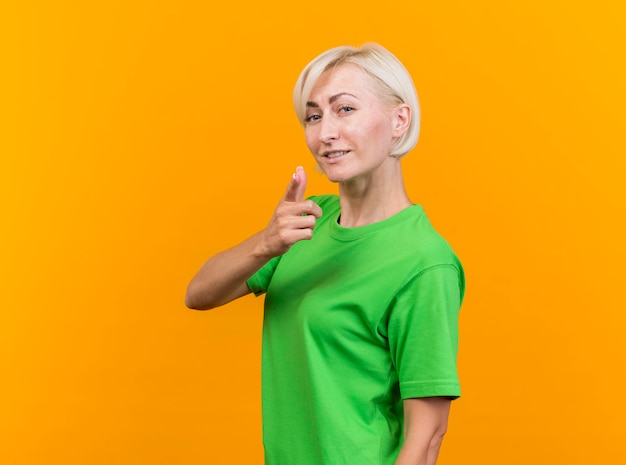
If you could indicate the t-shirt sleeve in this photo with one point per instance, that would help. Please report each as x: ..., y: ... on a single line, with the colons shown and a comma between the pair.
x: 423, y: 332
x: 260, y: 281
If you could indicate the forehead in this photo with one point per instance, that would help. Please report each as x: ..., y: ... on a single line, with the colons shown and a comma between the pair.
x: 348, y: 78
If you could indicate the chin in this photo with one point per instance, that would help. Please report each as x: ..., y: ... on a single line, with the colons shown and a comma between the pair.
x: 335, y: 175
x: 334, y: 178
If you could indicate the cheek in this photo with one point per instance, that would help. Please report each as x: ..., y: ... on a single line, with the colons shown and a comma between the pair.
x: 310, y: 139
x: 380, y: 131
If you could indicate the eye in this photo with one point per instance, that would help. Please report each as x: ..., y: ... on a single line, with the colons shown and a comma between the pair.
x: 311, y: 118
x: 346, y: 109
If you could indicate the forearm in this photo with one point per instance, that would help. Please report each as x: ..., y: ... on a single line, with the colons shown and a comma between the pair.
x: 420, y: 453
x: 223, y: 277
x: 425, y: 424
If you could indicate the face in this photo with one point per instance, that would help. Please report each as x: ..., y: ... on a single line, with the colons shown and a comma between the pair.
x: 349, y: 129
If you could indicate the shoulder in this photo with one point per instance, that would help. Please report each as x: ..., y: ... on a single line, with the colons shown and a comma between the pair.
x: 423, y: 243
x: 432, y: 261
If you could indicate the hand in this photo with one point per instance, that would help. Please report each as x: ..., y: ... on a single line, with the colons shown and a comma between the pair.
x: 293, y: 219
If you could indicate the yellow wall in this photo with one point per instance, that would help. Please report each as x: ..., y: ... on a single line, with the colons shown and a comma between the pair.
x: 138, y: 138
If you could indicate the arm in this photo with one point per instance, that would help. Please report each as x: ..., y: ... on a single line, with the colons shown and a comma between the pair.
x: 425, y: 423
x: 423, y: 339
x: 223, y: 277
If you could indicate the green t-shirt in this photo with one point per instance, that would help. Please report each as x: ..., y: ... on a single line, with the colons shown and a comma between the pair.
x: 356, y: 320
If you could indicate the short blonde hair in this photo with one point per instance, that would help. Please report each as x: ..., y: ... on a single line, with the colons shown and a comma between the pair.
x: 390, y: 78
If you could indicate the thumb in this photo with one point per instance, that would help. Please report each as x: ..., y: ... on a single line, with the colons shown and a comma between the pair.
x: 297, y: 186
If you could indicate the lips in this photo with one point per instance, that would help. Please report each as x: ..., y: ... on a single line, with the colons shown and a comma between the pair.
x: 335, y: 154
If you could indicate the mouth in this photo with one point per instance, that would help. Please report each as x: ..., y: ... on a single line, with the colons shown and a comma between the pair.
x: 334, y: 154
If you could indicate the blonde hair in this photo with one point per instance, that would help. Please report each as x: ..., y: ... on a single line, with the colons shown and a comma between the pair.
x: 390, y: 78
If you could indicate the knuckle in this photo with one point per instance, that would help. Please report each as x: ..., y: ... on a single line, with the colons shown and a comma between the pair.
x: 282, y: 236
x: 282, y: 222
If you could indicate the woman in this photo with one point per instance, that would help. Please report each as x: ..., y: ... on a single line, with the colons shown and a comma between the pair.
x: 362, y: 294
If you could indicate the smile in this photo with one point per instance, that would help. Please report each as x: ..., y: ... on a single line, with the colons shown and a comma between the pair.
x: 335, y: 154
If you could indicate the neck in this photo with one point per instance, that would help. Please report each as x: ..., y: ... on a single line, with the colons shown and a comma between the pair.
x: 374, y: 197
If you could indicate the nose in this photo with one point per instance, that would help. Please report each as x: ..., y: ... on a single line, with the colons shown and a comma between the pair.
x: 328, y: 130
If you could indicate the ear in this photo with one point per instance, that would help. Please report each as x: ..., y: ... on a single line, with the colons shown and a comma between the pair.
x: 401, y: 119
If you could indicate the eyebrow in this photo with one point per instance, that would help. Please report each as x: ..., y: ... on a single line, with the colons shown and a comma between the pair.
x: 330, y: 100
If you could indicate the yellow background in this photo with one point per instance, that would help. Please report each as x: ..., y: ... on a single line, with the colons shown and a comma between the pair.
x: 138, y: 138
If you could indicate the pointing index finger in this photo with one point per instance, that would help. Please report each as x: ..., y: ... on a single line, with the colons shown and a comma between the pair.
x: 297, y: 186
x: 301, y: 174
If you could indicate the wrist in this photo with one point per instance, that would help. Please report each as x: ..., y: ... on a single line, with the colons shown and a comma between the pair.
x: 260, y: 248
